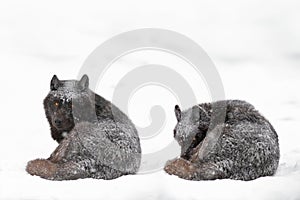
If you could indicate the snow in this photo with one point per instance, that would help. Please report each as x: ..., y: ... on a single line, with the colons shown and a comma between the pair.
x: 254, y: 44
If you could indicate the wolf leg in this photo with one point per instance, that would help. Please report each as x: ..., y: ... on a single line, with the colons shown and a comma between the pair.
x: 71, y: 170
x: 59, y: 171
x: 60, y: 152
x: 69, y: 149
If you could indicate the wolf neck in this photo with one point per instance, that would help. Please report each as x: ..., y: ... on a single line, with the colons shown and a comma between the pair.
x: 199, y: 137
x: 105, y: 109
x: 58, y: 135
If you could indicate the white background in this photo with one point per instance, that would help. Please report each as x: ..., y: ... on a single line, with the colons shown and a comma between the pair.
x: 254, y: 44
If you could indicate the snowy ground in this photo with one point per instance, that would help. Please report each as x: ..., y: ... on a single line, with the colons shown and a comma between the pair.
x: 255, y: 46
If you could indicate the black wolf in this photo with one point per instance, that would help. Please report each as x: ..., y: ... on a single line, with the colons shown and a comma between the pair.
x: 96, y: 139
x: 243, y: 147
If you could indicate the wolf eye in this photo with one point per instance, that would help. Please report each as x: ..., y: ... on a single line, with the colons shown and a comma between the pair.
x: 56, y: 104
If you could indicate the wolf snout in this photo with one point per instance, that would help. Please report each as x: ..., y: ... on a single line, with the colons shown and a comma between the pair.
x: 57, y: 122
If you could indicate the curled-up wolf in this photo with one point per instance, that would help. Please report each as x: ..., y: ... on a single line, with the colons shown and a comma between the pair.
x: 96, y: 139
x: 242, y: 146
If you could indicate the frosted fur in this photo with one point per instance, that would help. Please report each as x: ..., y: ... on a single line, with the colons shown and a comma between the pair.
x: 244, y: 147
x: 96, y: 139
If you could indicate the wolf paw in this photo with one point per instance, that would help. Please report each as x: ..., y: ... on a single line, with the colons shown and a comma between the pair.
x: 181, y: 168
x: 41, y: 167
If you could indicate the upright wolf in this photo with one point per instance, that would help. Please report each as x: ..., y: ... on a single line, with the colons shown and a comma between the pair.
x: 244, y: 146
x: 96, y: 139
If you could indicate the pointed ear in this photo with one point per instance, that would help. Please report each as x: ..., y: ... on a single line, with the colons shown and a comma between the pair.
x: 198, y: 113
x: 177, y: 113
x: 84, y: 82
x: 54, y: 84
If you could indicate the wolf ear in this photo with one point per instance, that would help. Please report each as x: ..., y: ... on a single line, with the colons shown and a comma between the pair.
x: 177, y: 113
x: 198, y: 113
x: 54, y: 84
x: 84, y: 82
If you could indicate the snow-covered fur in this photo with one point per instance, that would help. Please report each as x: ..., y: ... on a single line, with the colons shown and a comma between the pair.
x: 96, y: 139
x: 243, y: 147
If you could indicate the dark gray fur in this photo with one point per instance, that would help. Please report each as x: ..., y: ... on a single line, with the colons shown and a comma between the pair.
x: 244, y: 147
x: 96, y: 139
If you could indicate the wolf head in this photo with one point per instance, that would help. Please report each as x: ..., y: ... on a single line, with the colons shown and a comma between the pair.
x: 191, y: 128
x: 68, y: 102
